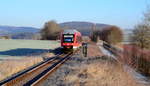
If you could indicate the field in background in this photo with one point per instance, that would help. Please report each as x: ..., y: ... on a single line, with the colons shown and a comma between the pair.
x: 16, y: 55
x: 21, y: 48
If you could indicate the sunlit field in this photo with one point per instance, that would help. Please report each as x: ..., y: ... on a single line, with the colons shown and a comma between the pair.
x: 20, y: 48
x: 16, y: 55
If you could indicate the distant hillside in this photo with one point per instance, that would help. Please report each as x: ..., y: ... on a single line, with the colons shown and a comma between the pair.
x: 4, y: 30
x: 27, y: 32
x: 83, y: 27
x: 18, y: 32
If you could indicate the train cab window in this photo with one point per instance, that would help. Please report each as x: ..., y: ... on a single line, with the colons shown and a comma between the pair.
x: 68, y: 38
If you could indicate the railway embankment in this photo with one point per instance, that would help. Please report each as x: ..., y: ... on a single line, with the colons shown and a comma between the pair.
x: 96, y: 69
x: 127, y: 68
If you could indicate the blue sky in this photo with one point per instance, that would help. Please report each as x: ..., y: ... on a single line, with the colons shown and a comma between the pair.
x: 123, y: 13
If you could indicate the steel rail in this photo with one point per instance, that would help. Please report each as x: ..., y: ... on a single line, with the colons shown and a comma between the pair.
x: 36, y: 80
x: 12, y: 80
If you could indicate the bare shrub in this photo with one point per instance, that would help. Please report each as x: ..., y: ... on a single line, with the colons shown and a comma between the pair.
x: 115, y: 35
x: 137, y: 58
x: 111, y: 35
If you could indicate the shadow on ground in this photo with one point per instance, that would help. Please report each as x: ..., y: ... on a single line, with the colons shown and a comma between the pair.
x: 28, y: 51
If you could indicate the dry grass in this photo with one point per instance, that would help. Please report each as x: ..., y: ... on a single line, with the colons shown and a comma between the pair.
x: 93, y: 50
x: 16, y: 55
x: 119, y: 45
x: 101, y: 75
x: 10, y: 67
x: 91, y: 71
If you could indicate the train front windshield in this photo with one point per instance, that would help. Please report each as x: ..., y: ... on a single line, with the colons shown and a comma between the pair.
x: 68, y: 38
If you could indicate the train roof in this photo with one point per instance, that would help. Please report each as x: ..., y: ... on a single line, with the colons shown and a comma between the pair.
x: 70, y: 31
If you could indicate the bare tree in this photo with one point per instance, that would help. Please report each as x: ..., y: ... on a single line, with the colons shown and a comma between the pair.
x: 111, y: 34
x: 115, y: 35
x: 141, y: 33
x: 141, y: 36
x: 50, y: 31
x: 141, y: 40
x: 94, y: 33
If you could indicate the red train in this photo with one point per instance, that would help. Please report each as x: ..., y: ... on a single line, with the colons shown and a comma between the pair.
x: 71, y: 39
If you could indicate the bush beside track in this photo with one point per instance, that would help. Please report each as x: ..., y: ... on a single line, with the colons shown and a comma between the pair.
x: 132, y: 56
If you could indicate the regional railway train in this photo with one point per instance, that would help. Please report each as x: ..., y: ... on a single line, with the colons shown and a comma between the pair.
x: 71, y: 39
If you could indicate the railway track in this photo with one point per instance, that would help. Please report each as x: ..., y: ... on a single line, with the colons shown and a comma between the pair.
x: 38, y: 73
